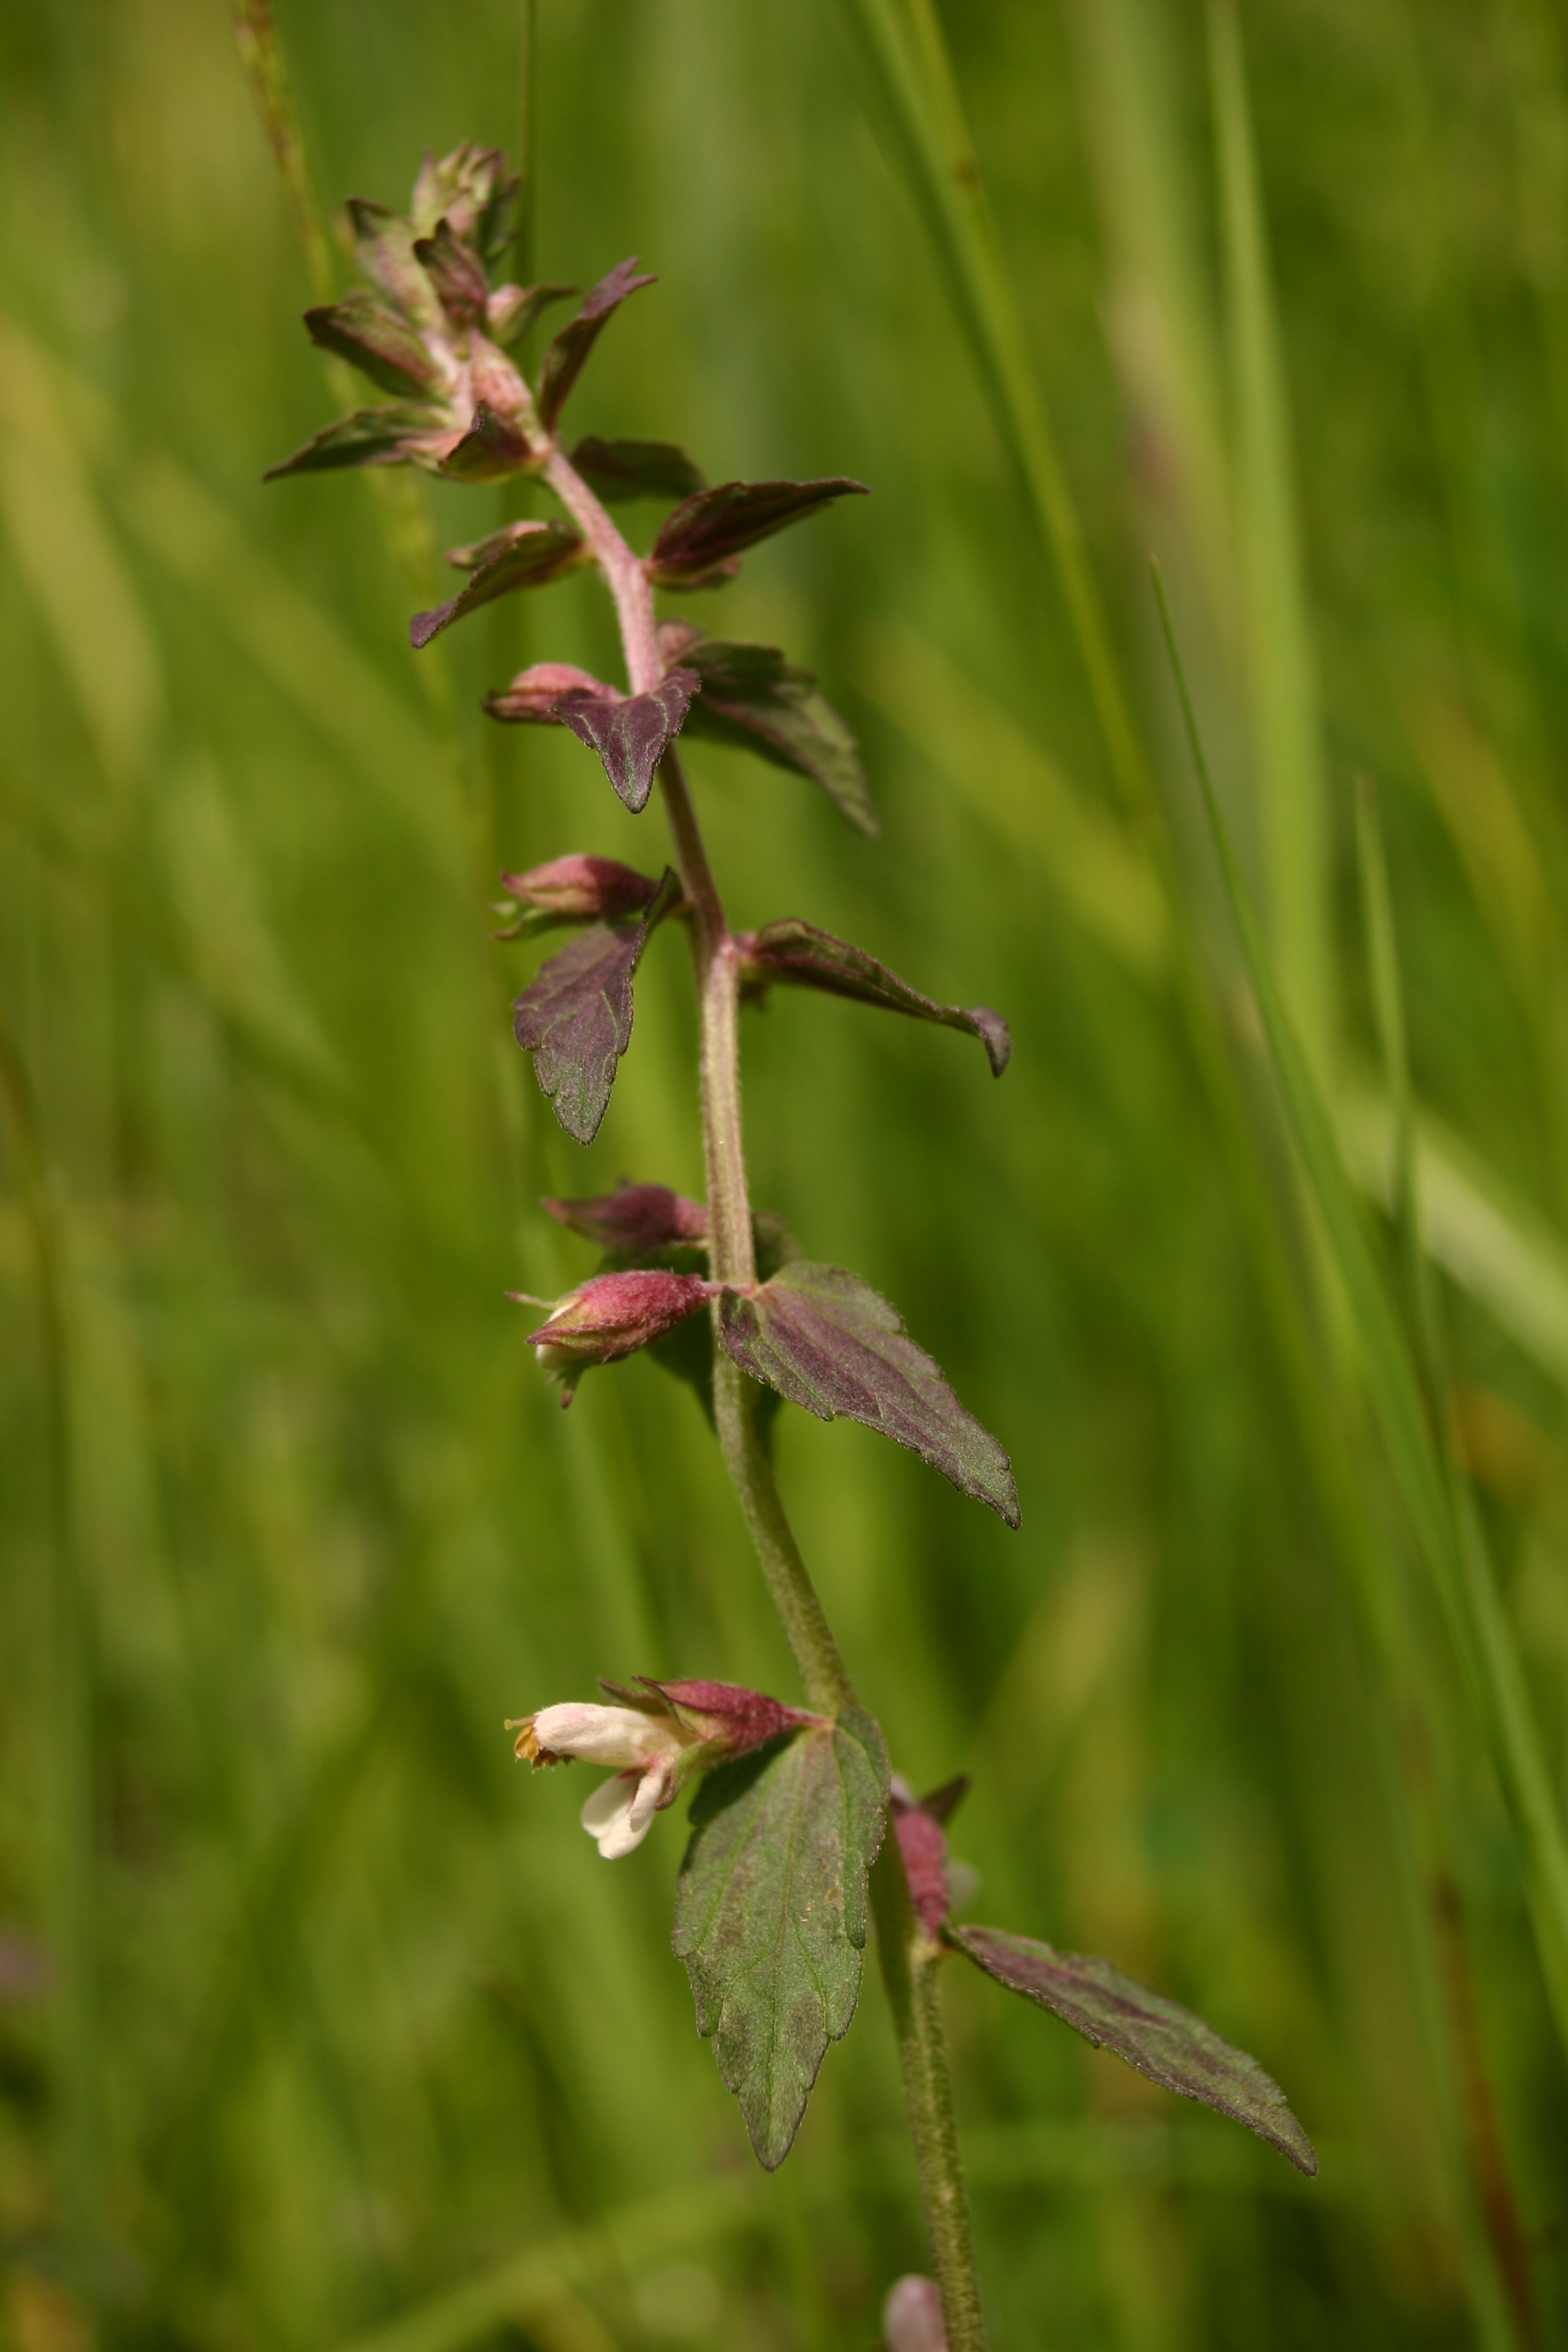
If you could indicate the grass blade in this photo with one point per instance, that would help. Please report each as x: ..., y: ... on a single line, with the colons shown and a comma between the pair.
x: 1447, y: 1541
x: 906, y: 56
x: 1279, y: 651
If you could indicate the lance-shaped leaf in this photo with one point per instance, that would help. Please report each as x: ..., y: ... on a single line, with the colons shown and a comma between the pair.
x: 457, y: 273
x: 629, y: 732
x: 564, y: 359
x: 533, y: 553
x: 754, y: 697
x: 618, y: 470
x: 384, y: 247
x: 800, y: 956
x: 826, y: 1340
x: 770, y: 1913
x: 633, y: 1219
x: 371, y: 436
x: 372, y: 338
x: 1167, y: 2044
x: 492, y: 448
x: 699, y: 542
x: 575, y: 1015
x: 512, y: 309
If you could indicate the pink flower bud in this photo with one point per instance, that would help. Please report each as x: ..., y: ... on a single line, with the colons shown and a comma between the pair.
x: 534, y: 693
x: 613, y: 1315
x: 911, y: 2316
x: 582, y: 889
x: 634, y: 1217
x: 729, y: 1717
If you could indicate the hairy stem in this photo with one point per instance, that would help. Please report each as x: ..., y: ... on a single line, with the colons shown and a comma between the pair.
x: 907, y: 1956
x: 910, y: 1961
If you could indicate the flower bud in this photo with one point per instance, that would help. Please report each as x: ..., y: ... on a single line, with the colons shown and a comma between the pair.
x: 635, y: 1218
x: 534, y: 693
x: 911, y: 2316
x: 611, y: 1315
x: 582, y: 889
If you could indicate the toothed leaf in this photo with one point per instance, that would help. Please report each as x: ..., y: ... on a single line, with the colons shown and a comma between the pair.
x: 752, y: 697
x: 371, y: 436
x: 1167, y: 2044
x: 615, y: 470
x: 535, y: 553
x: 770, y: 1913
x: 629, y: 732
x: 798, y: 955
x: 564, y: 361
x: 826, y: 1340
x: 701, y: 541
x: 575, y: 1015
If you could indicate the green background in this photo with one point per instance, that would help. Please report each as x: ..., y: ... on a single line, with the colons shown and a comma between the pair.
x: 315, y: 2013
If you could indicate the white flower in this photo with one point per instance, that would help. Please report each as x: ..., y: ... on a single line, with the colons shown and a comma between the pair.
x: 646, y: 1749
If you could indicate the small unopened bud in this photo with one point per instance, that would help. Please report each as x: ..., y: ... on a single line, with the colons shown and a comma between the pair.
x: 613, y: 1315
x: 534, y: 693
x: 635, y: 1218
x: 911, y: 2316
x: 582, y: 889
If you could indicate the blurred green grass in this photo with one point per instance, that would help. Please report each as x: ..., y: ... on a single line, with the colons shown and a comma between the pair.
x: 340, y: 2020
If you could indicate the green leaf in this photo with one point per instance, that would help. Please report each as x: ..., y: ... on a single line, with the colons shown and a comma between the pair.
x: 371, y: 436
x: 700, y: 543
x: 754, y: 698
x: 374, y: 340
x: 534, y: 553
x: 770, y: 1913
x: 798, y: 955
x: 1447, y: 1537
x: 826, y: 1340
x: 1167, y: 2044
x: 618, y: 470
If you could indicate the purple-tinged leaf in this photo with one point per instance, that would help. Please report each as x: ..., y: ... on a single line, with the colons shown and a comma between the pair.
x: 699, y: 543
x: 629, y: 732
x: 618, y: 470
x: 799, y: 956
x: 512, y: 309
x: 770, y: 1913
x: 457, y: 273
x: 633, y: 1219
x: 377, y: 341
x: 534, y: 553
x: 384, y: 247
x: 371, y: 436
x: 564, y: 361
x: 531, y: 697
x: 752, y: 697
x: 575, y: 1015
x: 1168, y: 2045
x: 491, y: 450
x: 826, y: 1340
x: 472, y: 190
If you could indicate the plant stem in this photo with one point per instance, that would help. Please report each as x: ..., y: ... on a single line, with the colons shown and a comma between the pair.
x: 909, y: 1959
x: 907, y: 1956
